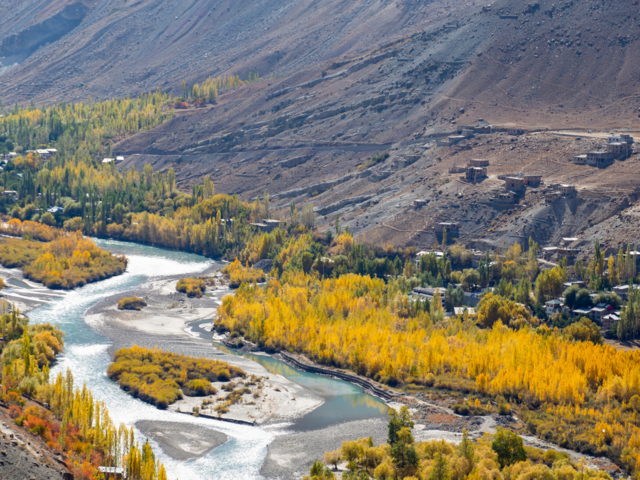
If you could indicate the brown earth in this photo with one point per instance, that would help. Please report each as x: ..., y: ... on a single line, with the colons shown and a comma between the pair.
x: 122, y: 48
x: 369, y: 77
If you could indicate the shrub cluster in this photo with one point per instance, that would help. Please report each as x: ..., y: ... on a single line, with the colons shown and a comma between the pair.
x: 131, y: 303
x: 161, y: 378
x: 193, y: 287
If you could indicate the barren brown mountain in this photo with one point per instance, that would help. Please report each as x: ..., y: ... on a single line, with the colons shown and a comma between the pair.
x: 356, y: 79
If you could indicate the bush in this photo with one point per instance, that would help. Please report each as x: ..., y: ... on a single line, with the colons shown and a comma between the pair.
x: 461, y: 409
x: 131, y: 303
x: 193, y: 287
x: 199, y: 388
x: 430, y: 380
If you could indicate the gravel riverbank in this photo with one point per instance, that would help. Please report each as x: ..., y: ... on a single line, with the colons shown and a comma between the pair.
x: 182, y: 441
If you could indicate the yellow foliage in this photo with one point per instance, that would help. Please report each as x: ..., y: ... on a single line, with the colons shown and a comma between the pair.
x: 239, y: 274
x: 346, y: 322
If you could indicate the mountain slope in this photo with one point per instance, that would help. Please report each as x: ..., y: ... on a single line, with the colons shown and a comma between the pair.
x: 120, y: 48
x: 369, y: 77
x: 560, y: 63
x: 307, y: 138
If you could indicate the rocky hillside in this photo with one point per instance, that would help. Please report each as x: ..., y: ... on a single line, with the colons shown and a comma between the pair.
x: 370, y: 90
x: 70, y: 50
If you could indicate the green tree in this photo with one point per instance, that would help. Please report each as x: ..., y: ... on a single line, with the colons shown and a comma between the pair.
x: 398, y: 421
x: 48, y: 219
x: 317, y: 468
x: 148, y: 176
x: 584, y: 331
x: 440, y: 469
x: 171, y: 180
x: 523, y: 291
x: 403, y: 453
x: 307, y: 261
x: 466, y: 448
x: 26, y: 351
x: 549, y: 284
x: 509, y: 447
x: 629, y: 324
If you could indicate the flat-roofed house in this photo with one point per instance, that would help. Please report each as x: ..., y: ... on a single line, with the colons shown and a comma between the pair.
x: 514, y: 184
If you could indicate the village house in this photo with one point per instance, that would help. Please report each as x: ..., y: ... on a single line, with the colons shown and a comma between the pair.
x: 478, y: 162
x: 554, y: 306
x: 565, y: 251
x: 267, y: 225
x: 514, y: 184
x: 580, y: 159
x: 419, y: 255
x: 618, y: 149
x: 457, y: 169
x: 483, y: 129
x: 452, y: 228
x: 44, y: 153
x: 600, y: 311
x: 567, y: 189
x: 506, y: 197
x: 459, y: 311
x: 608, y: 321
x: 621, y: 138
x: 430, y: 293
x: 623, y: 290
x: 532, y: 180
x: 112, y: 473
x: 515, y: 131
x: 475, y: 173
x: 577, y: 283
x: 453, y: 139
x: 600, y: 159
x: 582, y: 312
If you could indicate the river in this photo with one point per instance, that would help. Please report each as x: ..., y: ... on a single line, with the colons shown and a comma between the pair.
x: 86, y: 355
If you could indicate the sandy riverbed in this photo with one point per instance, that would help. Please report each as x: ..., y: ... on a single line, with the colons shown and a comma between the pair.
x: 276, y: 398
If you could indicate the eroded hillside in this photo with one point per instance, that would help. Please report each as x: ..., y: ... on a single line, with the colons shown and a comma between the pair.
x: 367, y: 78
x: 114, y: 48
